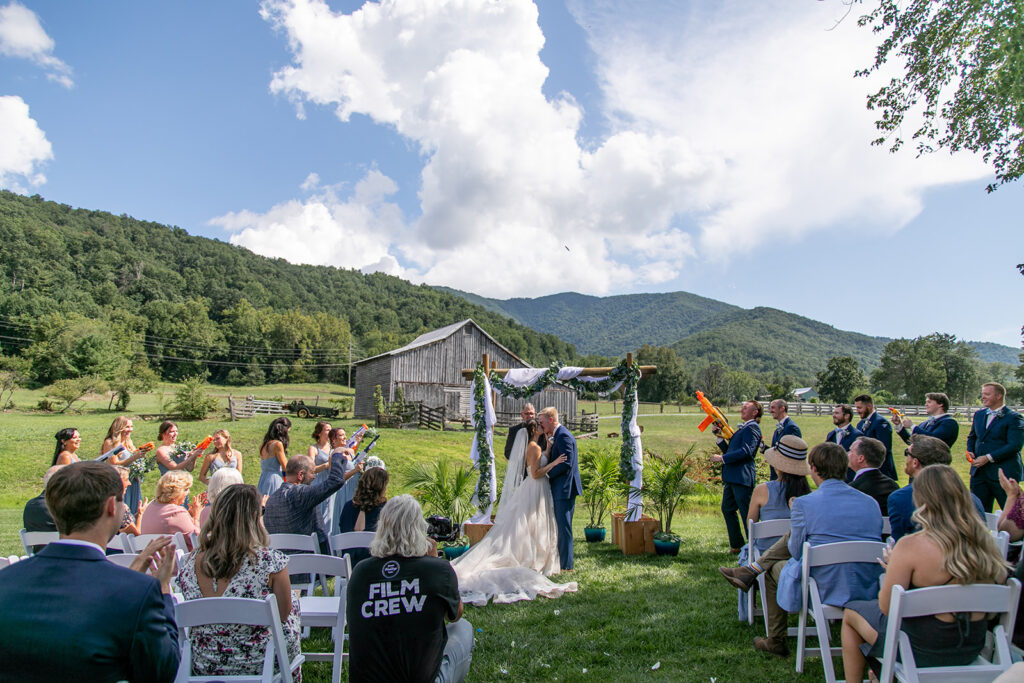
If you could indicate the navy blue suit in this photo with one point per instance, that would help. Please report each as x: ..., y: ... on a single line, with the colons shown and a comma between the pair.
x: 738, y: 478
x: 943, y: 427
x: 850, y: 434
x: 784, y: 428
x: 565, y: 486
x: 877, y: 427
x: 1002, y: 440
x: 901, y: 507
x: 70, y: 614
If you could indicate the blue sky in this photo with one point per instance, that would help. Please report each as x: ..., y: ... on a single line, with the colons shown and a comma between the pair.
x: 517, y: 149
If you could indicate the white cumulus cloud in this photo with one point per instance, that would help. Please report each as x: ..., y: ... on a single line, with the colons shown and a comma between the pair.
x: 728, y: 124
x: 22, y: 36
x: 23, y: 146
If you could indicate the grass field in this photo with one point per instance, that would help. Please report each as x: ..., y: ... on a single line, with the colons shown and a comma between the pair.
x: 631, y: 612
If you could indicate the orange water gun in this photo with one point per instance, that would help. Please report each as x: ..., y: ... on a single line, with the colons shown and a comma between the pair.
x: 896, y: 413
x: 205, y: 443
x: 145, y: 448
x: 714, y: 417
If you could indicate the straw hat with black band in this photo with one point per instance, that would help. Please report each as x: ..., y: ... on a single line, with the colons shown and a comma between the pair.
x: 790, y: 456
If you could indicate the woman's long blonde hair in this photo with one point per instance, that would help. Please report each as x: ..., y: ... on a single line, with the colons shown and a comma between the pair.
x: 227, y: 438
x: 119, y: 423
x: 948, y: 517
x: 232, y: 533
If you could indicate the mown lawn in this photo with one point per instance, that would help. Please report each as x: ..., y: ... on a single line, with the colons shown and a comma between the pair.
x: 631, y: 614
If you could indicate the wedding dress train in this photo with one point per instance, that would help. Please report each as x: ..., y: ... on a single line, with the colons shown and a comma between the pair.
x: 512, y: 561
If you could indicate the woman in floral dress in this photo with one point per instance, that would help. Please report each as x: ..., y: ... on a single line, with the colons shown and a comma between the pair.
x: 233, y: 560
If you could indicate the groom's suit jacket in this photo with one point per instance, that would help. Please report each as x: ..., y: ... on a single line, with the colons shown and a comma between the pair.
x: 1002, y: 440
x: 564, y: 478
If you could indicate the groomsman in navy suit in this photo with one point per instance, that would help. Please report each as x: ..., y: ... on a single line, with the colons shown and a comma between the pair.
x: 939, y: 424
x: 877, y: 427
x: 845, y: 433
x: 738, y: 476
x: 780, y: 411
x: 997, y: 434
x: 564, y: 480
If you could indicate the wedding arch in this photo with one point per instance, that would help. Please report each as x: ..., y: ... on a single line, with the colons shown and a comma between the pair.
x: 524, y: 382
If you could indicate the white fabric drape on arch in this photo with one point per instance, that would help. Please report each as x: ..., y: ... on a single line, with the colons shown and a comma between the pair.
x: 484, y: 517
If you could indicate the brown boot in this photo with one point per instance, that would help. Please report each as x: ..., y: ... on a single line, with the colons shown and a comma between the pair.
x: 773, y: 646
x: 741, y: 577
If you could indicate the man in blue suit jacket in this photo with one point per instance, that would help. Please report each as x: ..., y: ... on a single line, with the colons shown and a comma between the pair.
x: 785, y: 426
x: 994, y: 444
x: 844, y: 433
x: 738, y: 475
x: 833, y: 513
x: 923, y: 451
x: 877, y: 427
x: 939, y: 424
x: 71, y: 614
x: 564, y: 479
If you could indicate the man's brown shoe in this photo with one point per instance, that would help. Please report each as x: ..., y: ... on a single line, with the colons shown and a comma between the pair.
x: 773, y: 646
x: 741, y: 577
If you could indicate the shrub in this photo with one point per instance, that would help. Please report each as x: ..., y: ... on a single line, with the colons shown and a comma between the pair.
x: 70, y: 391
x: 443, y: 489
x: 191, y: 401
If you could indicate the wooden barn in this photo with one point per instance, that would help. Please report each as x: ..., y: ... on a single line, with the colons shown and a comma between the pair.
x: 429, y: 370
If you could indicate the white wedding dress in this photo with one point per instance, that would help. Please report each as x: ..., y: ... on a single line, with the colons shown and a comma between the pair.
x: 512, y: 561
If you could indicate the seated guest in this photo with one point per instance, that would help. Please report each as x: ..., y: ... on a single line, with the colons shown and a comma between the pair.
x: 167, y: 515
x: 233, y: 561
x: 405, y: 638
x: 71, y: 615
x: 361, y: 513
x: 1012, y: 519
x: 866, y: 456
x: 220, y: 480
x: 129, y: 521
x: 293, y: 507
x: 924, y: 451
x: 771, y: 500
x: 834, y: 512
x: 953, y: 547
x: 68, y: 441
x: 939, y: 424
x: 36, y: 516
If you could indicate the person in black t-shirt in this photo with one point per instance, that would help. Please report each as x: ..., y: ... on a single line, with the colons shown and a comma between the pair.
x: 398, y: 601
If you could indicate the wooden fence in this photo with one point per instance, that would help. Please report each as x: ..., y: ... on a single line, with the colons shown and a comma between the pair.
x: 250, y: 406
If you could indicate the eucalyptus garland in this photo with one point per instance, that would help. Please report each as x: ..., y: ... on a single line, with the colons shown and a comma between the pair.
x: 542, y: 383
x: 627, y: 451
x: 484, y: 455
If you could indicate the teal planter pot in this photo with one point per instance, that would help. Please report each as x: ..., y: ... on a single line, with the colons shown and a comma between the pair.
x: 452, y: 553
x: 666, y: 547
x: 594, y: 535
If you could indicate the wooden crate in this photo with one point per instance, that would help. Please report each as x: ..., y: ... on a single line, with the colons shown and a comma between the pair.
x: 617, y: 518
x: 475, y: 532
x: 636, y: 538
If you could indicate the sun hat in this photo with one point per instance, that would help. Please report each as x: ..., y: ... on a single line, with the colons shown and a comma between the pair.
x: 789, y: 456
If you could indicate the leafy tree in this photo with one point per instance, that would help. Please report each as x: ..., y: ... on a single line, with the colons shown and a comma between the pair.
x: 959, y: 361
x: 191, y: 401
x: 254, y: 375
x: 138, y: 378
x: 910, y: 368
x: 378, y: 400
x: 782, y: 389
x: 69, y: 391
x: 14, y: 372
x: 669, y: 382
x: 72, y: 346
x: 712, y: 380
x: 235, y: 378
x: 740, y: 386
x: 840, y: 379
x: 963, y: 68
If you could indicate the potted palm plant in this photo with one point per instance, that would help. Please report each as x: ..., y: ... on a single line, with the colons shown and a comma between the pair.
x: 444, y: 488
x: 601, y: 488
x: 665, y: 485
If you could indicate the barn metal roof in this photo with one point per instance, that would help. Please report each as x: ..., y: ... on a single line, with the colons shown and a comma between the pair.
x: 441, y: 334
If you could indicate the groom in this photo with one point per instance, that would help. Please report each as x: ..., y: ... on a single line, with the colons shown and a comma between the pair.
x: 564, y: 479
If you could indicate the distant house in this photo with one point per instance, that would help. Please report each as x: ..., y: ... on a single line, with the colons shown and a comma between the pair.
x: 429, y: 370
x: 805, y: 394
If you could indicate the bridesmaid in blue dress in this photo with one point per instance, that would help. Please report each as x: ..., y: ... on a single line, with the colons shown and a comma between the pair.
x: 120, y: 434
x: 222, y: 456
x: 165, y: 461
x: 274, y: 456
x: 320, y: 453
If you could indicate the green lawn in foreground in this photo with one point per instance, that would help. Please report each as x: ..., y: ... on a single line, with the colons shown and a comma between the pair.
x: 630, y: 613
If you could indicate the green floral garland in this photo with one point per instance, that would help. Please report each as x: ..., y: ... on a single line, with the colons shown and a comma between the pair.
x: 628, y: 375
x: 486, y: 456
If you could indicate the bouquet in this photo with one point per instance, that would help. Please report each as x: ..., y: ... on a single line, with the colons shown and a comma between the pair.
x: 139, y: 467
x: 181, y: 450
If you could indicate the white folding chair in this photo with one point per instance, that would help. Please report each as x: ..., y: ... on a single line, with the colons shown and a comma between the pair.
x: 886, y: 527
x: 770, y: 528
x: 123, y: 559
x: 992, y: 520
x: 919, y: 602
x: 819, y: 556
x: 29, y: 539
x: 204, y: 611
x: 8, y: 561
x: 1002, y: 542
x: 349, y: 540
x: 326, y: 610
x: 298, y: 542
x: 121, y: 542
x: 138, y: 543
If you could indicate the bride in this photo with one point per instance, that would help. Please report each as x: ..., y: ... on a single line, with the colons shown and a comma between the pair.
x: 521, y: 549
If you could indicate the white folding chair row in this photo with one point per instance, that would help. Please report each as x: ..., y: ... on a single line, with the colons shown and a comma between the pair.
x: 123, y: 559
x: 819, y: 556
x: 349, y: 540
x: 264, y: 613
x: 990, y: 598
x: 769, y: 528
x: 324, y: 610
x: 136, y: 544
x: 1002, y: 542
x: 306, y: 543
x: 30, y: 539
x: 992, y: 521
x: 886, y: 527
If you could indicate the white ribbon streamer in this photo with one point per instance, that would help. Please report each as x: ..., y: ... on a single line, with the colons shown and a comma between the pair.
x: 482, y: 517
x: 635, y: 503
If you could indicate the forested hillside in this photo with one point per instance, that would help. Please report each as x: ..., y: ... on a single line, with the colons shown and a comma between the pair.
x: 81, y: 291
